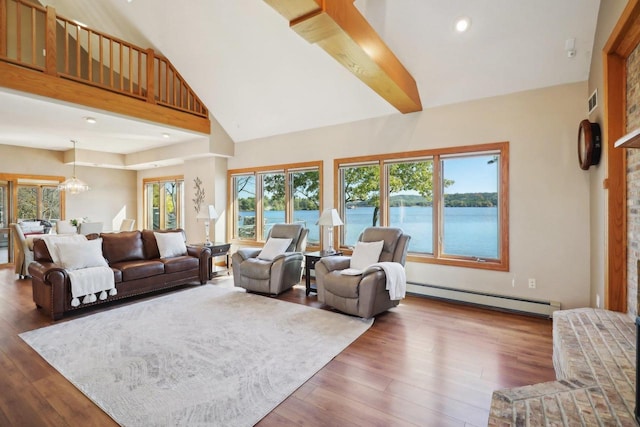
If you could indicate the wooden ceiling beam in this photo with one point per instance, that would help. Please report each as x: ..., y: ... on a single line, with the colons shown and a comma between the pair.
x: 340, y: 29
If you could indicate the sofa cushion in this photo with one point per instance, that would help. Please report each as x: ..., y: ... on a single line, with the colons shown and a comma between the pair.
x: 341, y: 285
x: 133, y: 270
x: 124, y: 246
x: 181, y: 263
x: 117, y: 275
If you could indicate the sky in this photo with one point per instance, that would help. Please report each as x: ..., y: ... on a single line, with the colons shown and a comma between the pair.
x: 471, y: 175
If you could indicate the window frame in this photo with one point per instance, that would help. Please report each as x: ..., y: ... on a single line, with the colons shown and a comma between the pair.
x: 438, y: 256
x: 161, y: 181
x: 285, y: 169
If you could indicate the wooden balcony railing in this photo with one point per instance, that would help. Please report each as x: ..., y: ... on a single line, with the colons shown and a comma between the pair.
x: 35, y: 37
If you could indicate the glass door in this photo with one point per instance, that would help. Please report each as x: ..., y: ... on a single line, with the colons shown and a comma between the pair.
x: 6, y: 255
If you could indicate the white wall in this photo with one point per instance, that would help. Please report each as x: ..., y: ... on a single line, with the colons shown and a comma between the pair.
x: 549, y: 193
x: 112, y: 190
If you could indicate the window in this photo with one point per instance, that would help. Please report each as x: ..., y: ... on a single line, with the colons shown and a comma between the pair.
x: 361, y: 198
x: 278, y: 194
x: 163, y: 203
x: 26, y: 197
x: 453, y: 202
x: 38, y: 200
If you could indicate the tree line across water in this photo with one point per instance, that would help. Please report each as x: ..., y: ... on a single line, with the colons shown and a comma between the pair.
x: 456, y: 200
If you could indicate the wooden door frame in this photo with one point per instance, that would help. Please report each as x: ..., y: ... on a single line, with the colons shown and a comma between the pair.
x: 622, y: 42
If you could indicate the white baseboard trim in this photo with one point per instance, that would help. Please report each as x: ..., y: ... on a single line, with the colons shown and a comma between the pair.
x: 502, y: 302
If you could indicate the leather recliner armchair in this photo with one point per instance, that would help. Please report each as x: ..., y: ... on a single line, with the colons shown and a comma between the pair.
x: 362, y: 295
x: 276, y: 276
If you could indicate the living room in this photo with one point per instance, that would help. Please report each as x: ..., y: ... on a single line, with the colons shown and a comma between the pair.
x: 557, y: 215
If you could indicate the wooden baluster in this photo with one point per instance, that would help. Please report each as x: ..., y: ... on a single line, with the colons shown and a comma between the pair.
x: 130, y: 69
x: 89, y: 57
x: 121, y: 87
x: 78, y: 56
x: 34, y: 61
x: 50, y: 47
x: 4, y: 31
x: 150, y: 77
x: 101, y: 63
x: 139, y: 92
x: 19, y: 32
x: 111, y: 63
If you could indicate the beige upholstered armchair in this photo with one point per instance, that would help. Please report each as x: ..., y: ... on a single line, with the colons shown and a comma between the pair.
x: 363, y: 295
x: 272, y: 270
x: 23, y: 253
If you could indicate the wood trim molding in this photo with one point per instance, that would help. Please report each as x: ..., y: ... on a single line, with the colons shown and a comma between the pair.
x: 437, y: 257
x: 623, y: 40
x: 29, y: 81
x: 340, y: 29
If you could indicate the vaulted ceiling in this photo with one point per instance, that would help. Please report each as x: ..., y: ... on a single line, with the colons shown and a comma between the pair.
x: 259, y: 78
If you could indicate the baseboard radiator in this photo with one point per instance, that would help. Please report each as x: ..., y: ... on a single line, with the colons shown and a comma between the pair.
x: 501, y: 302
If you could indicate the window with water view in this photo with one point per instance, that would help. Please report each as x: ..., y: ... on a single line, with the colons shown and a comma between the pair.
x: 285, y: 193
x: 453, y: 202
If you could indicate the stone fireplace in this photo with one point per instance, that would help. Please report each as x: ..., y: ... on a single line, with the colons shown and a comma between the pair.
x: 633, y: 183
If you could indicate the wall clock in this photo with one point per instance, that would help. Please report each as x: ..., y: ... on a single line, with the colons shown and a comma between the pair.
x: 589, y: 144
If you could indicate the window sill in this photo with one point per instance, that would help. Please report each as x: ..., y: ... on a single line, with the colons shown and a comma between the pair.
x: 461, y: 262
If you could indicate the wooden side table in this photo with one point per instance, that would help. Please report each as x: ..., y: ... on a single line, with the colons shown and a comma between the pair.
x: 217, y: 249
x: 310, y: 259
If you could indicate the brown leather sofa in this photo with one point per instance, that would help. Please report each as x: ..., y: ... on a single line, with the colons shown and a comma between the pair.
x: 137, y: 267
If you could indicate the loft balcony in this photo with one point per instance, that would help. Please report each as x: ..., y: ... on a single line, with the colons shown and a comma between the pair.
x: 45, y: 54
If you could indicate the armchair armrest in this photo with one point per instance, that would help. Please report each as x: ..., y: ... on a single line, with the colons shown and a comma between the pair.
x: 288, y: 255
x: 338, y: 262
x: 247, y: 253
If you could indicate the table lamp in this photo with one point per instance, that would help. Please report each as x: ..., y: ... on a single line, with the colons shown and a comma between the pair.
x: 329, y: 218
x: 207, y: 213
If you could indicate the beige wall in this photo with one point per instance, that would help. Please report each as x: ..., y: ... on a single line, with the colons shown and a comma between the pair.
x: 212, y: 171
x: 610, y: 11
x: 112, y: 191
x: 549, y: 200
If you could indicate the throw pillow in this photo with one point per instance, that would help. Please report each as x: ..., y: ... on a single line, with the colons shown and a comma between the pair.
x: 366, y: 254
x: 52, y: 241
x: 81, y: 254
x: 273, y: 248
x: 170, y: 244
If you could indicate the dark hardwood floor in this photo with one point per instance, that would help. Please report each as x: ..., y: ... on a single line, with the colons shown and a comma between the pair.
x: 424, y: 363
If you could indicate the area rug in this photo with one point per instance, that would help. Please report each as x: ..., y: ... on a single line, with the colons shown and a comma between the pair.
x: 204, y: 356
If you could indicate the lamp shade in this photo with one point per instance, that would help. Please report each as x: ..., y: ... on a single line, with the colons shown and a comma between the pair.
x: 207, y: 213
x: 330, y: 218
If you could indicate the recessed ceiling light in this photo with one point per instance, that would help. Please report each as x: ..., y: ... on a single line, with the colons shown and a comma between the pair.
x: 166, y: 135
x: 462, y: 24
x: 90, y: 120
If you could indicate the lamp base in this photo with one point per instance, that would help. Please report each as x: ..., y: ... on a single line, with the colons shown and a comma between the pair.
x: 325, y: 252
x: 208, y: 243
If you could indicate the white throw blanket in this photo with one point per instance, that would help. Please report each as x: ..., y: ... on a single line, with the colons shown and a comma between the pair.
x: 87, y: 282
x: 396, y: 278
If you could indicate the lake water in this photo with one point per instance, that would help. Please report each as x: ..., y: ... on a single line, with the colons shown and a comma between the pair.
x: 467, y: 231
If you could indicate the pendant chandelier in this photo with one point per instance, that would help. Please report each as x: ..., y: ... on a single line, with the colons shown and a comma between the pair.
x: 73, y: 185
